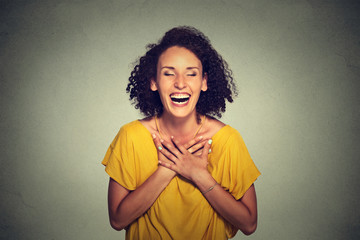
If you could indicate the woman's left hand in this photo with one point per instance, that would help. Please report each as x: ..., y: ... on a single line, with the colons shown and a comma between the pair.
x: 183, y: 161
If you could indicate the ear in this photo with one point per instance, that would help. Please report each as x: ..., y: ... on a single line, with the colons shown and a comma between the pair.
x: 153, y: 86
x: 204, y: 86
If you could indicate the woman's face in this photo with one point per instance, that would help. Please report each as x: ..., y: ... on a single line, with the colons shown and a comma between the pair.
x: 179, y: 81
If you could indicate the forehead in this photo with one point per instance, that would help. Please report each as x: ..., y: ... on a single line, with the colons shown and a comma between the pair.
x: 179, y: 57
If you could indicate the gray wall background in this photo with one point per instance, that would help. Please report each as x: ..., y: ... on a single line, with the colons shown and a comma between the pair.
x: 64, y: 68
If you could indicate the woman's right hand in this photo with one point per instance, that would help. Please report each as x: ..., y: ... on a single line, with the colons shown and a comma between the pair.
x: 161, y: 158
x: 125, y: 206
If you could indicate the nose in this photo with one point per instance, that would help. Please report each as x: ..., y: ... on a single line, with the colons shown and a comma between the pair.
x: 180, y: 82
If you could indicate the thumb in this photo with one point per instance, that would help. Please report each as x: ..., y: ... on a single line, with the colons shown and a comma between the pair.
x: 207, y: 148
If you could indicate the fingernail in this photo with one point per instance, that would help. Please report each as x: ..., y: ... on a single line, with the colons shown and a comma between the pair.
x: 172, y: 137
x: 153, y: 135
x: 210, y: 141
x: 159, y: 162
x: 210, y: 150
x: 160, y: 148
x: 161, y: 140
x: 201, y: 137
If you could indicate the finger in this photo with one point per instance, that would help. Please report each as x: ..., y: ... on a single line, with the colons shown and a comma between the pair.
x: 178, y: 145
x: 164, y: 152
x: 157, y: 142
x: 192, y: 142
x: 165, y: 162
x: 195, y: 148
x: 163, y: 158
x: 171, y: 147
x: 207, y: 148
x: 169, y: 166
x: 198, y: 153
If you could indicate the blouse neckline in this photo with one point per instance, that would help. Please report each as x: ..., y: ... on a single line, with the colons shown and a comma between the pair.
x: 214, y: 136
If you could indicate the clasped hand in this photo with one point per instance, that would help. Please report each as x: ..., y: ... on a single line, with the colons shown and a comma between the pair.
x: 187, y: 160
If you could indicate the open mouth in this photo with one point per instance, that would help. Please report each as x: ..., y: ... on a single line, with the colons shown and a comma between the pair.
x: 180, y: 98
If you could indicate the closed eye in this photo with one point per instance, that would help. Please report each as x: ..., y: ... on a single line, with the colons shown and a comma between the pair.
x: 168, y: 74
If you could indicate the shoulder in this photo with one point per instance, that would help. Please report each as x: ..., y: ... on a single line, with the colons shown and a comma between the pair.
x: 214, y: 127
x: 148, y: 123
x: 226, y: 134
x: 131, y: 130
x: 211, y: 127
x: 131, y: 134
x: 131, y: 126
x: 215, y: 123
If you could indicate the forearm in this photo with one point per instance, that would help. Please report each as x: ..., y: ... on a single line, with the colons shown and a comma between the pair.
x: 235, y: 212
x: 137, y: 202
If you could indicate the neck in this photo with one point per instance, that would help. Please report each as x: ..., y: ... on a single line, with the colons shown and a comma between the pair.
x: 182, y: 129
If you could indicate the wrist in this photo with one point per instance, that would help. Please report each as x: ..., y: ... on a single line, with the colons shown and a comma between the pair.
x: 168, y: 174
x: 204, y: 181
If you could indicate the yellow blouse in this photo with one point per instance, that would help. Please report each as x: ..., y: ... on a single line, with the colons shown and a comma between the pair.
x: 181, y: 211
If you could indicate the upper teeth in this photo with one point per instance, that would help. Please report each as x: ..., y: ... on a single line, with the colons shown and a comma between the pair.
x: 179, y: 96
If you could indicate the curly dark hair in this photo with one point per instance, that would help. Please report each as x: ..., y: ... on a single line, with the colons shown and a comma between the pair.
x: 220, y: 82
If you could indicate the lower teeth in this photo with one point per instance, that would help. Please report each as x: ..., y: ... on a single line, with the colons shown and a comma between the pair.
x: 180, y: 102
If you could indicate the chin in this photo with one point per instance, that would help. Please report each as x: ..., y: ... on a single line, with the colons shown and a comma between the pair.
x: 181, y: 113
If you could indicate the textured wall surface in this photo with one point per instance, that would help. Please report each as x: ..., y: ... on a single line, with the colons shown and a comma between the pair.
x: 64, y: 67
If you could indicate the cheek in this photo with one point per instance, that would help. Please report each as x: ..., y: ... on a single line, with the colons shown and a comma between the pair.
x: 162, y: 87
x: 163, y: 91
x: 195, y: 85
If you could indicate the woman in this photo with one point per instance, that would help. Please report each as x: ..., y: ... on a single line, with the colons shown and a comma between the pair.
x: 180, y: 173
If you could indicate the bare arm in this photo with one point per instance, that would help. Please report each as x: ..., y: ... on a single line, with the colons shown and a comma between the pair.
x: 126, y: 206
x: 242, y: 213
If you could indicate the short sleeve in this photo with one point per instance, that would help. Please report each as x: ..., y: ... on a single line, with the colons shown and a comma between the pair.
x: 243, y: 171
x: 234, y: 169
x: 119, y: 160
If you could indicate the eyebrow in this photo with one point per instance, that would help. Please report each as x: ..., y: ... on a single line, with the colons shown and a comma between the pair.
x: 188, y: 68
